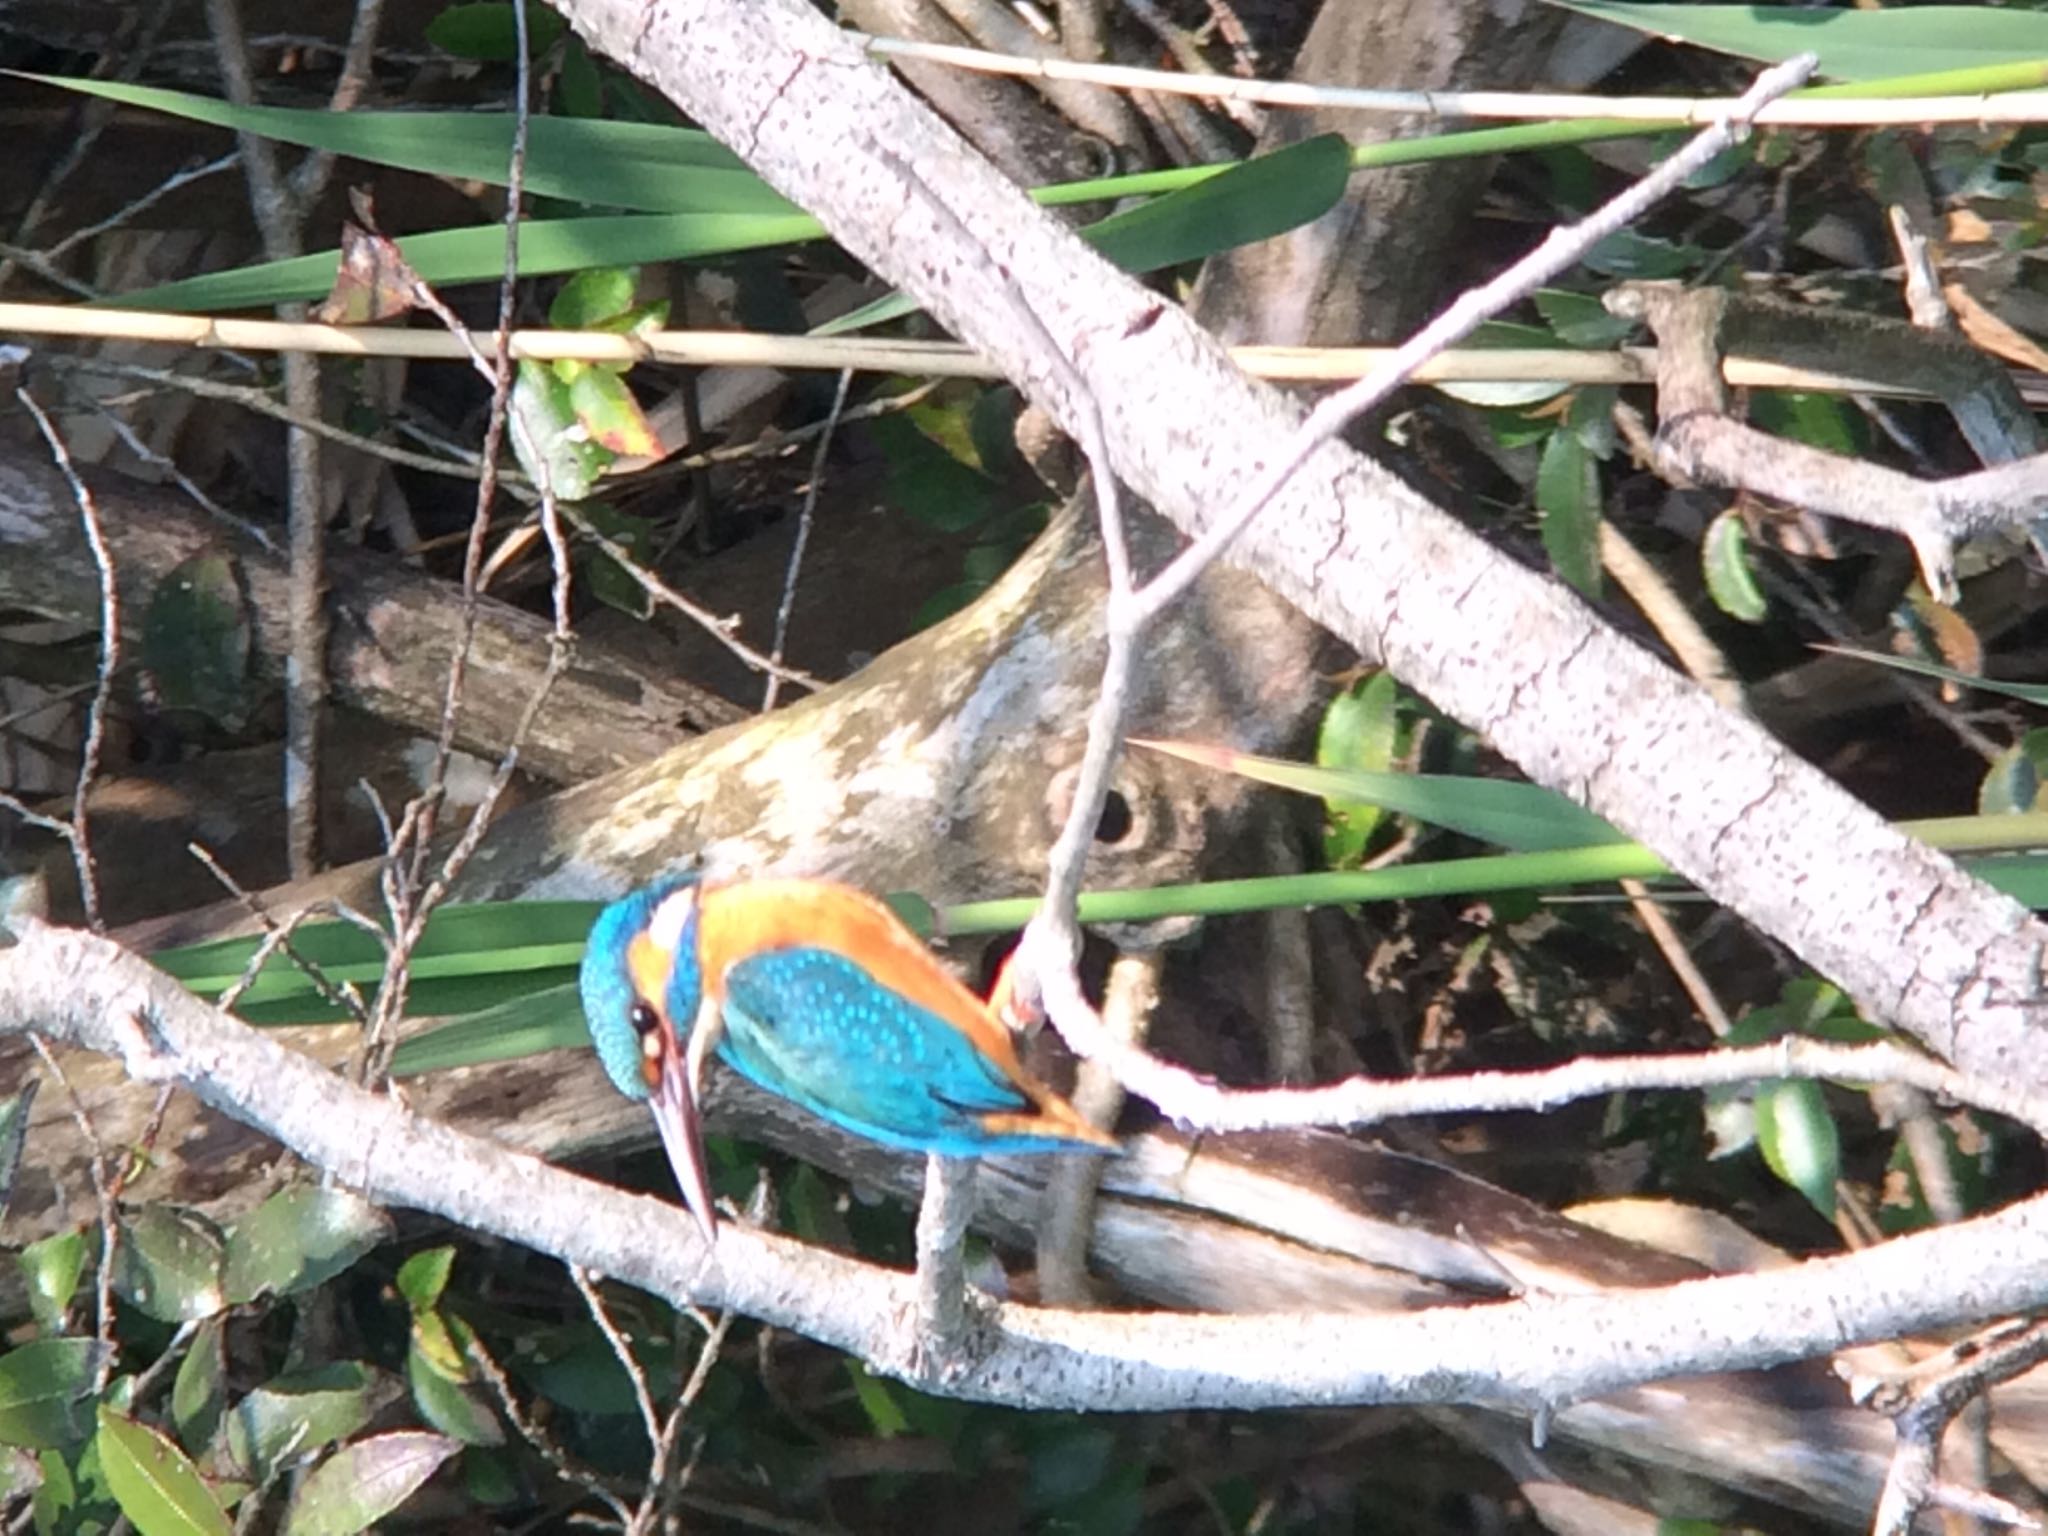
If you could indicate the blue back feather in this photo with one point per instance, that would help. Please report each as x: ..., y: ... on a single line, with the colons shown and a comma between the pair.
x: 815, y: 1027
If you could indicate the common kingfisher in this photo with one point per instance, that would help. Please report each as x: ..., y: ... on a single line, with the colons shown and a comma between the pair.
x: 816, y: 992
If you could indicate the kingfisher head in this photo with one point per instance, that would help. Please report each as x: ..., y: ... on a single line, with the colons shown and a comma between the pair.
x: 642, y: 986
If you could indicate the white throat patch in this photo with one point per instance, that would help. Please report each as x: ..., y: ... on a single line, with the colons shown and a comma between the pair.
x: 665, y: 928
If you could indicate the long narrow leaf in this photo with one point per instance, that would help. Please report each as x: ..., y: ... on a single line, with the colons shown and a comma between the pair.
x: 2031, y: 693
x: 1524, y: 817
x: 643, y: 166
x: 1853, y: 44
x: 477, y: 254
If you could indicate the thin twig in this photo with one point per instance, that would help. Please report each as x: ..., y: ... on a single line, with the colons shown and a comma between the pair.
x: 103, y: 1203
x: 941, y: 1273
x: 1560, y: 250
x: 79, y: 833
x: 586, y: 1287
x: 720, y: 629
x: 1067, y: 1210
x: 277, y: 936
x: 1925, y: 1402
x: 409, y: 895
x: 536, y: 1434
x: 803, y: 538
x: 279, y: 216
x: 1650, y: 111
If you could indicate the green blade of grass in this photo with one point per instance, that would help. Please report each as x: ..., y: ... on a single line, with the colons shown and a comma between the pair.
x: 477, y: 254
x: 1524, y: 817
x: 1852, y: 44
x: 545, y: 1020
x: 1262, y: 197
x: 647, y: 167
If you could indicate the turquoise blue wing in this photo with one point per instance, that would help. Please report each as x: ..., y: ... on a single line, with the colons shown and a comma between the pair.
x: 816, y: 1027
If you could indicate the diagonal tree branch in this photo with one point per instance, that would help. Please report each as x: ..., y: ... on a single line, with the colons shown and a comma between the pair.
x: 1509, y: 652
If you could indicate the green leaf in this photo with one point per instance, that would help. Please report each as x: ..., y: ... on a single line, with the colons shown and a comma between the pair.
x: 1357, y: 734
x: 46, y: 1392
x: 195, y: 640
x: 580, y: 86
x: 551, y: 442
x: 423, y: 1277
x: 1568, y: 497
x: 1263, y: 197
x: 1819, y: 421
x: 591, y: 298
x: 914, y: 912
x: 929, y: 483
x: 485, y: 30
x: 1522, y: 816
x: 50, y: 1268
x: 293, y: 1416
x: 168, y: 1264
x: 361, y: 1483
x: 299, y: 1238
x: 477, y: 254
x: 548, y: 1019
x: 653, y: 168
x: 1852, y: 44
x: 2012, y: 781
x: 438, y: 1392
x: 2031, y: 693
x: 1796, y: 1134
x: 877, y: 1400
x: 154, y: 1482
x: 610, y: 416
x: 1580, y: 319
x: 484, y: 937
x: 199, y: 1390
x: 1626, y: 255
x: 1724, y: 559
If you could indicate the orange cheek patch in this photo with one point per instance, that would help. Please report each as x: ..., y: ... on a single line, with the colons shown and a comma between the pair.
x: 649, y: 965
x: 650, y: 1057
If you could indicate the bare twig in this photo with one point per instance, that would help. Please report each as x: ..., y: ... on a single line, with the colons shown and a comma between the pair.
x: 803, y: 539
x: 103, y: 1204
x: 78, y: 833
x: 409, y: 895
x: 1559, y: 250
x: 1675, y: 111
x: 720, y: 629
x: 586, y: 1286
x: 1697, y: 440
x: 279, y: 216
x: 941, y: 1273
x: 1922, y: 1405
x: 1068, y: 1208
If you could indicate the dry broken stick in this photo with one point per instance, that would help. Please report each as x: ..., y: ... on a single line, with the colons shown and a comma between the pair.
x: 1698, y: 440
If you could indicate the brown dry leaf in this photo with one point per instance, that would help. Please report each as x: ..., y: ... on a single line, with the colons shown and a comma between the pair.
x: 1990, y: 332
x: 1964, y: 226
x: 373, y: 282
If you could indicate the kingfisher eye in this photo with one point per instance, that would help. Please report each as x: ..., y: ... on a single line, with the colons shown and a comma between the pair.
x: 643, y: 1018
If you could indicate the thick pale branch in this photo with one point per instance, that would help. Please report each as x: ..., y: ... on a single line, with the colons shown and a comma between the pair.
x: 1543, y: 1349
